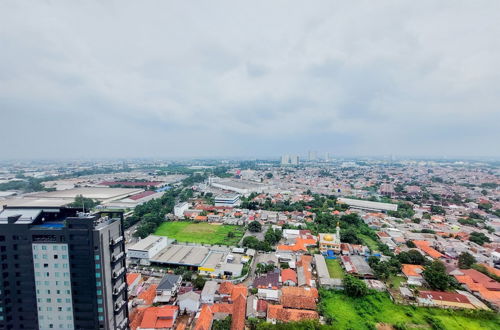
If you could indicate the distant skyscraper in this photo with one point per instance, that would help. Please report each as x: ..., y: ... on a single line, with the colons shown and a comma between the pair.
x: 285, y: 160
x: 289, y: 160
x: 327, y: 156
x: 312, y: 156
x: 62, y: 270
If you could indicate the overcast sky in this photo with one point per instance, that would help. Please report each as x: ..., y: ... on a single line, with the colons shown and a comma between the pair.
x: 253, y: 79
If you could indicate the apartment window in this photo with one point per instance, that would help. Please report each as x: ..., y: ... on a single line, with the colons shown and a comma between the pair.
x: 99, y: 301
x: 45, y: 265
x: 97, y: 257
x: 44, y: 248
x: 37, y: 265
x: 101, y: 318
x: 98, y: 283
x: 99, y: 292
x: 54, y: 247
x: 44, y: 256
x: 98, y: 275
x: 64, y: 256
x: 97, y: 266
x: 59, y: 309
x: 64, y: 248
x: 68, y: 300
x: 56, y: 256
x: 100, y: 309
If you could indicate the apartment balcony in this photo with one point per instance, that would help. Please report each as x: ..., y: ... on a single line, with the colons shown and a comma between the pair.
x: 119, y: 306
x: 115, y: 241
x: 123, y: 324
x: 118, y: 290
x: 118, y: 273
x: 118, y: 257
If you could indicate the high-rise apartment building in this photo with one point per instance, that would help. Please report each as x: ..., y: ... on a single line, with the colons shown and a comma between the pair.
x: 290, y: 160
x: 312, y: 156
x: 62, y: 269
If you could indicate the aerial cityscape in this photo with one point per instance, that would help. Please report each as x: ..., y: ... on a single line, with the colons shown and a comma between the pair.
x: 249, y: 166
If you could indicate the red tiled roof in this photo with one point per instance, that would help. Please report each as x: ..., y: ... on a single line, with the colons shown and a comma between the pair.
x: 412, y: 270
x: 288, y: 275
x: 131, y: 183
x: 159, y: 317
x: 261, y: 305
x: 298, y: 302
x: 300, y: 292
x: 277, y: 312
x: 142, y: 195
x: 135, y: 317
x: 444, y: 296
x: 226, y: 288
x: 204, y: 319
x: 425, y: 247
x: 482, y: 279
x: 148, y: 295
x: 131, y: 277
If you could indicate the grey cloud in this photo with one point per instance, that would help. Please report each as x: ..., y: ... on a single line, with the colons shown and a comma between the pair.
x: 175, y: 79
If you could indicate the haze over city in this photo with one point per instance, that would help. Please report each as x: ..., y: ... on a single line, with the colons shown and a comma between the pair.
x: 220, y: 79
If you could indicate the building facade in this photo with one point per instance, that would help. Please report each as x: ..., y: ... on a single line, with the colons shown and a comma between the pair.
x: 62, y: 269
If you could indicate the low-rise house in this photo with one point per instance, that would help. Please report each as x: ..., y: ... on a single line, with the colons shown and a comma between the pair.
x: 168, y: 287
x: 270, y: 280
x: 304, y: 271
x: 133, y: 280
x: 357, y: 265
x: 277, y: 313
x: 444, y: 299
x: 256, y: 307
x: 159, y: 318
x: 413, y: 274
x: 289, y: 277
x: 208, y: 292
x: 189, y: 302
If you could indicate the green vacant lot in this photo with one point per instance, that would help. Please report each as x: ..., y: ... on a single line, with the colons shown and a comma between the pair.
x: 366, y: 312
x: 206, y: 233
x: 368, y: 241
x: 334, y: 268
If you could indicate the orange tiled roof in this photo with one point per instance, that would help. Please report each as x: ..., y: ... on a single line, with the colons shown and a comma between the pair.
x: 492, y: 270
x: 135, y: 317
x: 239, y: 312
x: 288, y: 275
x: 159, y: 317
x: 238, y: 290
x: 148, y: 295
x: 277, y: 312
x: 424, y: 246
x: 412, y: 270
x: 300, y: 245
x: 131, y: 277
x: 226, y: 288
x: 301, y: 292
x: 298, y: 302
x: 204, y: 319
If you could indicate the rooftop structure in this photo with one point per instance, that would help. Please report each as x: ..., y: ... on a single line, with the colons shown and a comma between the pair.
x: 368, y: 205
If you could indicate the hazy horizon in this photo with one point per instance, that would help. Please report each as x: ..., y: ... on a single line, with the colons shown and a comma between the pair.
x: 177, y: 80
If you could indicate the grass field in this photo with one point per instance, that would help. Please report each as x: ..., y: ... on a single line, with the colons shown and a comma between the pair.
x: 368, y: 241
x: 396, y: 281
x: 334, y: 268
x: 206, y: 233
x: 366, y: 312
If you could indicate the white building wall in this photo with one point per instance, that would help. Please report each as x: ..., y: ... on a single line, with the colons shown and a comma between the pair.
x: 53, y: 286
